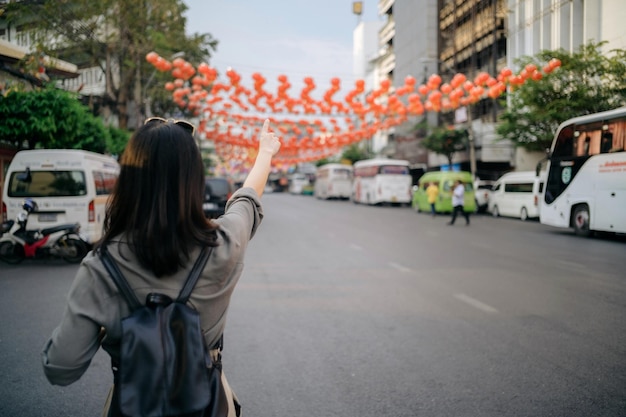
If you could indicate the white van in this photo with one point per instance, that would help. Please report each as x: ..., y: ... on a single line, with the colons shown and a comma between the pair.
x: 517, y: 194
x: 68, y: 186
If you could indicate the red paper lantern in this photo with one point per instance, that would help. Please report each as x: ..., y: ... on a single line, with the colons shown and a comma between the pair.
x: 152, y: 57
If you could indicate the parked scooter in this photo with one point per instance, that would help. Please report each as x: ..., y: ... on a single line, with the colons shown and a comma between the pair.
x: 18, y: 243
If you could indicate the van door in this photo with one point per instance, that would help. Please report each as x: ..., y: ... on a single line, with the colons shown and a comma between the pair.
x: 58, y: 194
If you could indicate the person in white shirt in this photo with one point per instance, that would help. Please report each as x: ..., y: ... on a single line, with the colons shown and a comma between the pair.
x: 458, y: 199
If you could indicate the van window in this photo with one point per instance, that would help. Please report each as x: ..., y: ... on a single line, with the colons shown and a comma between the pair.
x: 104, y: 182
x: 48, y: 184
x: 519, y: 188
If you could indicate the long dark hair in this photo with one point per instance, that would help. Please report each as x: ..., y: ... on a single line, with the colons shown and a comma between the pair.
x: 157, y: 200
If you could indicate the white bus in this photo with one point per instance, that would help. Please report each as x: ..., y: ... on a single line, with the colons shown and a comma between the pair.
x: 297, y: 183
x: 333, y: 181
x: 382, y: 180
x: 68, y: 186
x: 586, y: 183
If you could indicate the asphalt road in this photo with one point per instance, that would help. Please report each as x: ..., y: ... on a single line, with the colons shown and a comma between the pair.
x: 349, y: 310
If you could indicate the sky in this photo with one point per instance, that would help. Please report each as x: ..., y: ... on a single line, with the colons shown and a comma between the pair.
x: 296, y: 38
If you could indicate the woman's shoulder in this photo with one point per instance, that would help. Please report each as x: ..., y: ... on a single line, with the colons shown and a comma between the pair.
x: 243, y: 214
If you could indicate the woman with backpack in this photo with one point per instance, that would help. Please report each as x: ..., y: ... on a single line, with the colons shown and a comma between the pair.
x: 155, y: 229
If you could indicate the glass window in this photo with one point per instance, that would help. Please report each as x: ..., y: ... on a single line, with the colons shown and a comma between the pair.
x: 564, y: 146
x: 519, y: 188
x: 394, y: 170
x: 613, y: 136
x: 217, y: 186
x: 104, y: 182
x: 48, y: 184
x: 342, y: 173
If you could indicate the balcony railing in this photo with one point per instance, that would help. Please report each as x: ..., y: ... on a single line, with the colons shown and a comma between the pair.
x: 384, y: 6
x: 387, y: 32
x: 387, y: 63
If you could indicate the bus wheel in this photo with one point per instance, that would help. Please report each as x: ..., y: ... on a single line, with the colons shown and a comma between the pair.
x: 581, y: 221
x: 524, y: 214
x: 495, y: 212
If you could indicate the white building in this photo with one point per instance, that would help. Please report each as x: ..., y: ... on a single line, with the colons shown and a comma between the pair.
x: 364, y: 60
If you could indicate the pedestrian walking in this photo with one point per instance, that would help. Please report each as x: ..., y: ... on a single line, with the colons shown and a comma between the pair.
x: 458, y: 201
x: 432, y: 192
x: 155, y: 230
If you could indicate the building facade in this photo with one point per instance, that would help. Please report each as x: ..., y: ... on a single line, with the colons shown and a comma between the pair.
x: 473, y: 39
x: 424, y: 37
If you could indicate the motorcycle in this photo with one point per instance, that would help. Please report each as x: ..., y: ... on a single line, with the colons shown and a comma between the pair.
x: 18, y: 243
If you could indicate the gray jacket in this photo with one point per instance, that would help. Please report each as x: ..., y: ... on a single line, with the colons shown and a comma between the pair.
x: 94, y: 303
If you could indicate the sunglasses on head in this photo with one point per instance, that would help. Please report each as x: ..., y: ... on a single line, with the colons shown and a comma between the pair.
x: 182, y: 123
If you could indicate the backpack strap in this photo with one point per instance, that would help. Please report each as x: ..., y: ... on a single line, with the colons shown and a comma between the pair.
x: 118, y: 278
x: 192, y: 279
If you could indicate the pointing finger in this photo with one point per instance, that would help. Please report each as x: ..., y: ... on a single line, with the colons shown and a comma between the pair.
x: 266, y: 126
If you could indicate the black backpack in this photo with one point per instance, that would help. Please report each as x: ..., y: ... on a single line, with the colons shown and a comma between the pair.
x: 165, y: 368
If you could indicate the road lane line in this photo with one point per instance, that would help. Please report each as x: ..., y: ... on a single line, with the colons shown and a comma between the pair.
x: 475, y: 303
x: 399, y: 267
x: 355, y: 247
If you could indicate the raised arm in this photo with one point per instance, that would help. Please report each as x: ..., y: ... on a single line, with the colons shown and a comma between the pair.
x: 268, y: 147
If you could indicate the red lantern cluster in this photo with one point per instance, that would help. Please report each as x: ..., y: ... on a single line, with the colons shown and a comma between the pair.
x: 312, y: 129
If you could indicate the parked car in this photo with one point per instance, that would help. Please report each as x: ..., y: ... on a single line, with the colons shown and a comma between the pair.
x: 482, y: 191
x: 217, y: 191
x: 516, y: 194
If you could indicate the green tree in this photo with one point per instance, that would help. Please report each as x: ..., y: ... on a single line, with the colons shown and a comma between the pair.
x: 50, y: 118
x: 356, y: 152
x: 587, y: 81
x: 117, y: 140
x: 445, y: 141
x: 116, y: 35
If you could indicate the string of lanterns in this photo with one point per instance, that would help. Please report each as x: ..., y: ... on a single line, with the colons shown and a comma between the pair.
x: 312, y: 129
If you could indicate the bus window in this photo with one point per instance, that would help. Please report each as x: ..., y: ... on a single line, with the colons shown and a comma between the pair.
x: 342, y: 173
x: 613, y: 136
x: 587, y: 139
x: 394, y: 170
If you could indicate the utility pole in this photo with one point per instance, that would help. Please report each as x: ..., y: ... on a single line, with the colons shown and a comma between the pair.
x: 464, y: 115
x: 472, y: 145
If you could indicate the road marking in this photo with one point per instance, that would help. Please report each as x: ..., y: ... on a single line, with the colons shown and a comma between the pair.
x: 475, y: 303
x: 355, y: 247
x: 399, y: 267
